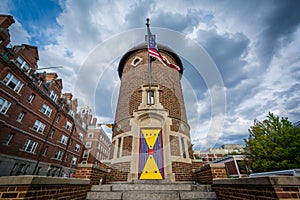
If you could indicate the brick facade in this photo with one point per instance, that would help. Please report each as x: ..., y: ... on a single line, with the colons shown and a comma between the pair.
x: 38, y: 134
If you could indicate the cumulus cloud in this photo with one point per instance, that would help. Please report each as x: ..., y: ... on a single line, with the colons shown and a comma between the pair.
x: 254, y: 44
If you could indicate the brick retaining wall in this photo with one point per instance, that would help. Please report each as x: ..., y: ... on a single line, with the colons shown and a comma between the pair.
x: 93, y: 172
x: 207, y: 173
x: 39, y: 187
x: 263, y: 188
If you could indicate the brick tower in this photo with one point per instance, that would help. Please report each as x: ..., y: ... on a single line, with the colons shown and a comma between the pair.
x: 151, y: 136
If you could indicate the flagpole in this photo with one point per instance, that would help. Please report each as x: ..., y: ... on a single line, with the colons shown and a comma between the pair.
x: 149, y: 59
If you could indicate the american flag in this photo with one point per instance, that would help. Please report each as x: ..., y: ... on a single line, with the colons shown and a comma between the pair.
x: 153, y: 51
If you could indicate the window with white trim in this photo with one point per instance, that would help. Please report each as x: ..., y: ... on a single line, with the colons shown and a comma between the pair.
x: 53, y: 95
x: 30, y: 146
x: 22, y: 64
x: 64, y: 139
x: 68, y: 125
x: 20, y: 117
x: 8, y: 139
x: 4, y: 105
x: 88, y: 144
x: 45, y: 151
x: 46, y: 110
x: 31, y: 97
x: 77, y: 147
x: 136, y: 61
x: 58, y: 155
x: 74, y: 160
x: 52, y: 133
x: 12, y: 82
x: 38, y: 126
x: 80, y: 136
x: 86, y: 154
x: 90, y: 135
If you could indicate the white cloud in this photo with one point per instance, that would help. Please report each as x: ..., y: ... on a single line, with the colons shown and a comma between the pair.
x: 258, y: 62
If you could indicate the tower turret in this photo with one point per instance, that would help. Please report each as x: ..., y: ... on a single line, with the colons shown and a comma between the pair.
x: 151, y: 136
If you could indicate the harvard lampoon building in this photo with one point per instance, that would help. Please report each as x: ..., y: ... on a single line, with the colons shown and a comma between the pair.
x: 151, y: 136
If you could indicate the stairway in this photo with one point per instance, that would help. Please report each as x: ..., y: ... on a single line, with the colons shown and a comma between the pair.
x: 153, y: 191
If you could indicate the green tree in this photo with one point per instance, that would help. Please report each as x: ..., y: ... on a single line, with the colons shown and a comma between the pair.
x: 273, y: 144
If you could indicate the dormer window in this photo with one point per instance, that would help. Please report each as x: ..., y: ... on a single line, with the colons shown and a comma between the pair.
x: 150, y: 97
x: 136, y: 61
x: 22, y: 64
x: 53, y: 95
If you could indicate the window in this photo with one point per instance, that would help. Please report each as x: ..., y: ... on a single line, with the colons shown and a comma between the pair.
x: 12, y: 82
x: 86, y: 153
x: 183, y: 147
x: 22, y: 64
x: 80, y: 136
x: 64, y: 139
x: 4, y: 105
x: 74, y: 160
x: 45, y: 151
x: 46, y: 110
x: 68, y: 126
x: 53, y: 95
x: 88, y: 144
x: 52, y: 133
x: 136, y: 61
x: 40, y: 82
x: 90, y: 135
x: 8, y: 139
x: 58, y: 118
x: 38, y: 126
x: 77, y: 147
x: 30, y: 146
x: 119, y: 147
x: 150, y: 97
x: 58, y: 155
x: 31, y: 97
x: 20, y: 117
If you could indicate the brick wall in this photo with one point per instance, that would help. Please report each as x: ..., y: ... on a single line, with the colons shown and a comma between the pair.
x: 264, y: 188
x: 37, y: 187
x: 207, y: 173
x: 92, y: 172
x: 118, y: 172
x: 183, y: 171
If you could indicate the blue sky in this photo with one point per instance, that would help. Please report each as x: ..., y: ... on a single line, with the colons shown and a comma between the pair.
x: 254, y: 45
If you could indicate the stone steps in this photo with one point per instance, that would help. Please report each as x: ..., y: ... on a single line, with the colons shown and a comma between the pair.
x: 144, y: 191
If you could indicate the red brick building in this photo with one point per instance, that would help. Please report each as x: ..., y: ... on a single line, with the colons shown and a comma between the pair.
x: 39, y: 131
x: 97, y: 143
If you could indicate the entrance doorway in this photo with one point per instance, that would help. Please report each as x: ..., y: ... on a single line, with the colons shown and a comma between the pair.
x: 151, y: 154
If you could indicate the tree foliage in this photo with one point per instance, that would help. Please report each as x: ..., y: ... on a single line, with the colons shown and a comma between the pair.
x: 273, y: 144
